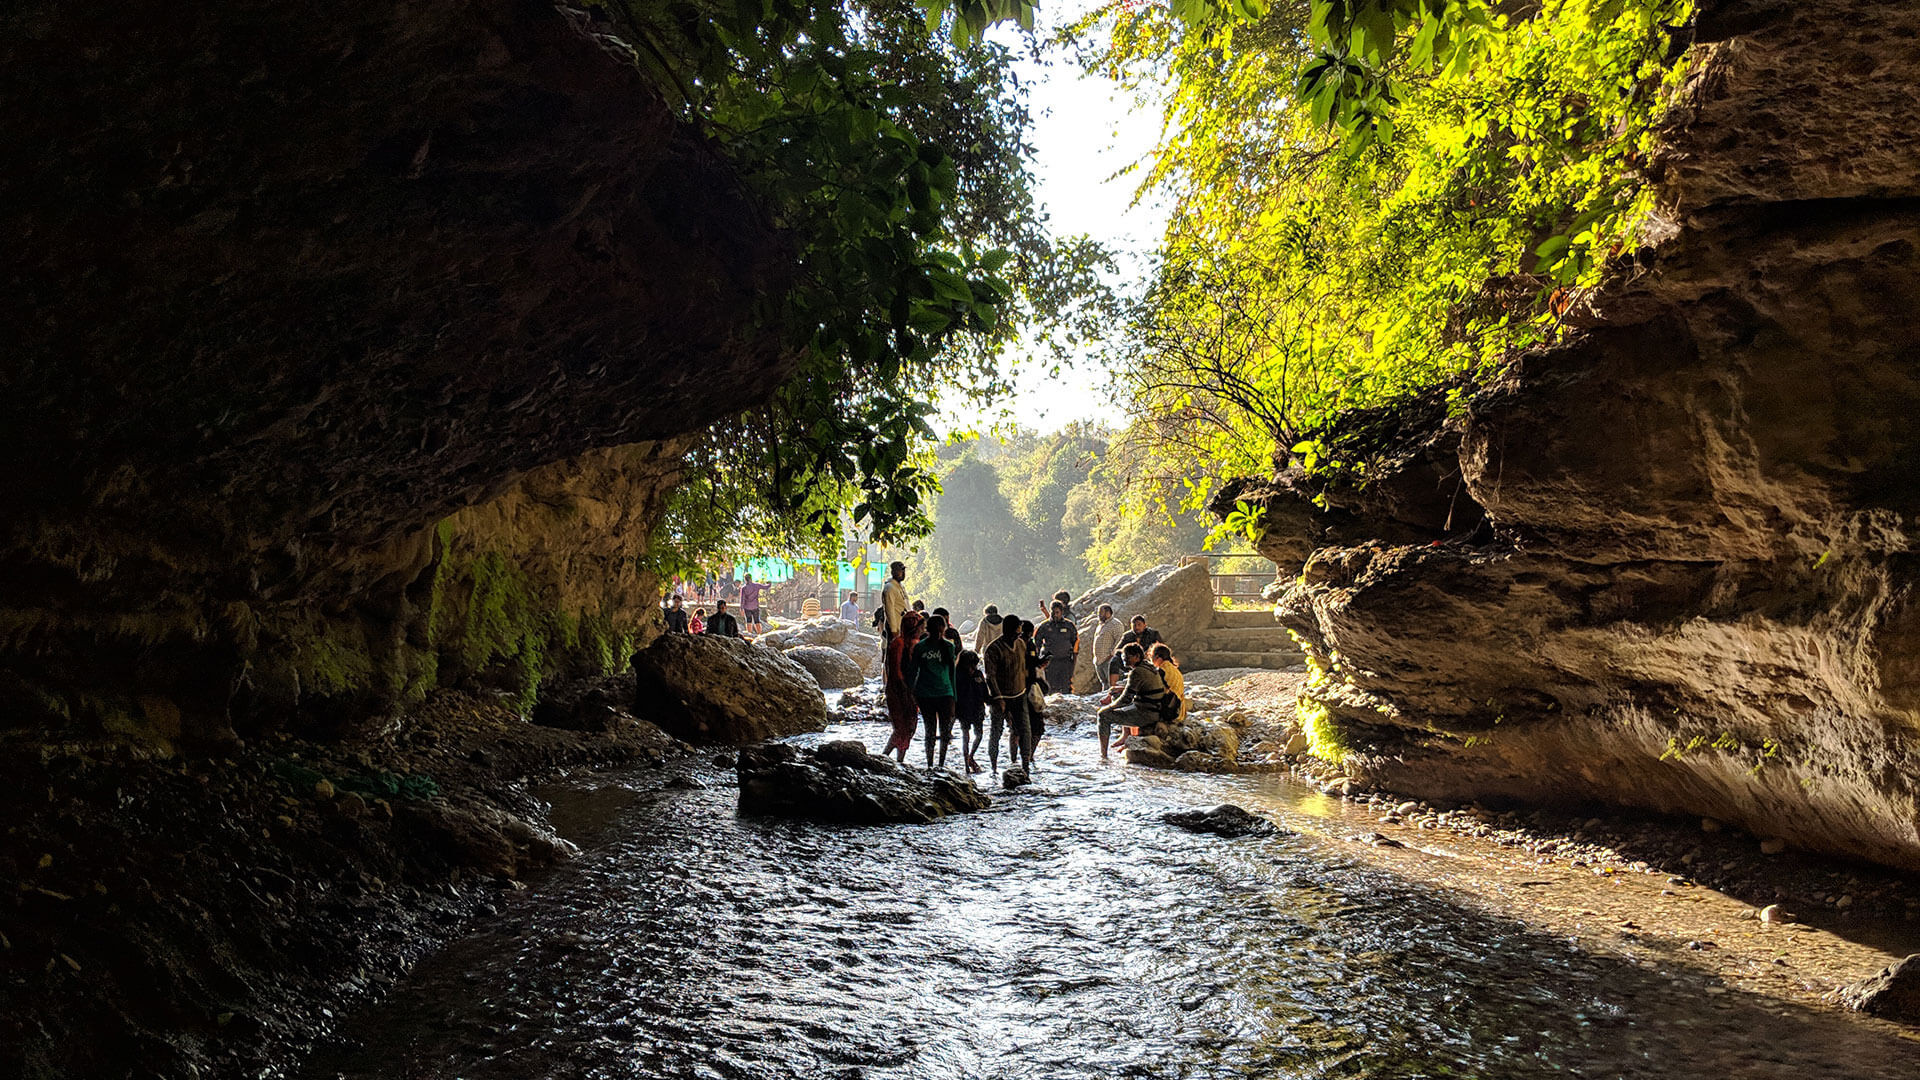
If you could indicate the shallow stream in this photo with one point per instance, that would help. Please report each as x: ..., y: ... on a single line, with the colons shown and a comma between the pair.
x: 1066, y: 932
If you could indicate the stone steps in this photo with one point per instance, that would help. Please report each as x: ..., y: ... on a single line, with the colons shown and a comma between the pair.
x: 1275, y: 660
x: 1244, y: 639
x: 1243, y: 618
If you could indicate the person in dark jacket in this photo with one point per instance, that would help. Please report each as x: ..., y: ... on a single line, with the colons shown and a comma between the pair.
x: 1139, y: 705
x: 675, y: 616
x: 1036, y: 679
x: 722, y: 623
x: 970, y: 705
x: 1142, y: 635
x: 1059, y: 643
x: 1006, y: 671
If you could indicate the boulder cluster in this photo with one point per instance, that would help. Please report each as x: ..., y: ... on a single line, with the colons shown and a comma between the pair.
x: 838, y: 653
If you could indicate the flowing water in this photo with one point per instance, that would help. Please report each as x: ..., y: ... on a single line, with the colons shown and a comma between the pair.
x: 1067, y: 932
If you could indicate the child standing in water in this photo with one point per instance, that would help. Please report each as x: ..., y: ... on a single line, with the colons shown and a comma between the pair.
x: 970, y: 696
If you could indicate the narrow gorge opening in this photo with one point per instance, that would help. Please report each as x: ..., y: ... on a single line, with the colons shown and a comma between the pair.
x: 458, y: 454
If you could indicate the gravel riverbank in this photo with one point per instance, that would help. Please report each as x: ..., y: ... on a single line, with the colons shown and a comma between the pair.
x: 207, y: 917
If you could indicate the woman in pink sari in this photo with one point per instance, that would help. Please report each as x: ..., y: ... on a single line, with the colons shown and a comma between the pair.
x: 901, y: 707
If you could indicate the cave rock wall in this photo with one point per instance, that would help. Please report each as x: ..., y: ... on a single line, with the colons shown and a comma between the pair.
x: 1693, y: 590
x: 316, y: 326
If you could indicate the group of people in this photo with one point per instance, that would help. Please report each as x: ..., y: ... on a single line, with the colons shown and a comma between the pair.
x: 934, y: 679
x: 721, y: 623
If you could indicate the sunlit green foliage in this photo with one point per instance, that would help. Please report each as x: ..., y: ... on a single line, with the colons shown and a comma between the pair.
x: 1021, y: 516
x: 894, y: 162
x: 1306, y: 271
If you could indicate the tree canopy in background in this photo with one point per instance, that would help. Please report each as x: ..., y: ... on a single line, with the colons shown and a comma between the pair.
x: 1372, y: 198
x: 896, y: 164
x: 1021, y: 517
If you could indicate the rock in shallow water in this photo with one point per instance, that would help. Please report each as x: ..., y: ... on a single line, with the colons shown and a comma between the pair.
x: 831, y: 668
x: 723, y: 690
x: 1894, y: 994
x: 1223, y: 820
x: 842, y: 782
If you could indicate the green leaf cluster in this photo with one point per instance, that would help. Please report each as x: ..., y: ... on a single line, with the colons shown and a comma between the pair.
x: 1022, y: 515
x: 1307, y: 272
x: 894, y: 161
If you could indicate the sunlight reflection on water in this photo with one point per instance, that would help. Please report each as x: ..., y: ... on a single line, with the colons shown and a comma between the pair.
x: 1066, y: 932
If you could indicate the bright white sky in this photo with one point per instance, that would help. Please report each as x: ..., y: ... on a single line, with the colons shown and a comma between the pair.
x: 1085, y: 129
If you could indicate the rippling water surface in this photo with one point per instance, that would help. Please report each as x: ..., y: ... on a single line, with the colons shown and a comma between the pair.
x: 1067, y: 932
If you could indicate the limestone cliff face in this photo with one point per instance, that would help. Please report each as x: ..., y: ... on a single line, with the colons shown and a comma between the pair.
x: 1698, y: 589
x: 288, y: 289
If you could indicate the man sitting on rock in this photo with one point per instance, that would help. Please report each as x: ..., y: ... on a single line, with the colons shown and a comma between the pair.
x: 1139, y: 704
x: 1142, y: 635
x: 722, y: 623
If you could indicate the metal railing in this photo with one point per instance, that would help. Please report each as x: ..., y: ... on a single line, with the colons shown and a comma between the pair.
x: 1238, y: 580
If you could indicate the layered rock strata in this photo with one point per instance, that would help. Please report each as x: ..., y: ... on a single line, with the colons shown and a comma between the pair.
x: 317, y: 338
x: 1670, y: 562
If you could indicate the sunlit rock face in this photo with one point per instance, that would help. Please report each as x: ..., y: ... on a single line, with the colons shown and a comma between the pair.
x: 1699, y: 594
x: 285, y: 291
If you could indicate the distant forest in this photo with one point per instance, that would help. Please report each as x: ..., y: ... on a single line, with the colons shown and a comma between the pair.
x: 1023, y: 515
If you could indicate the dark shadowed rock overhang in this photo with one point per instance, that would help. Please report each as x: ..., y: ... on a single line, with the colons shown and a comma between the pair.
x: 288, y: 285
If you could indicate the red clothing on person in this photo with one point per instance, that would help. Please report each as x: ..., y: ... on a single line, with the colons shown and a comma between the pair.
x: 902, y: 709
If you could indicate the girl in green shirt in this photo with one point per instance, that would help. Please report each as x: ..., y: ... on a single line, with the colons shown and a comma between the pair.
x: 933, y: 660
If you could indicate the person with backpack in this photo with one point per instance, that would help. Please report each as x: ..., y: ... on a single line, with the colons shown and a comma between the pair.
x: 970, y: 705
x: 1037, y: 690
x: 933, y: 662
x: 1006, y: 671
x: 1143, y: 704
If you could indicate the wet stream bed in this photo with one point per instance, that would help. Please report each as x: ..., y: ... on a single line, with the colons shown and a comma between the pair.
x: 1066, y: 932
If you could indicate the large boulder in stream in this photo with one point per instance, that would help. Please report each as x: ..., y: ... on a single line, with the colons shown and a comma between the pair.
x: 823, y: 630
x: 842, y: 782
x: 1177, y: 601
x: 708, y: 689
x: 828, y: 632
x: 831, y: 668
